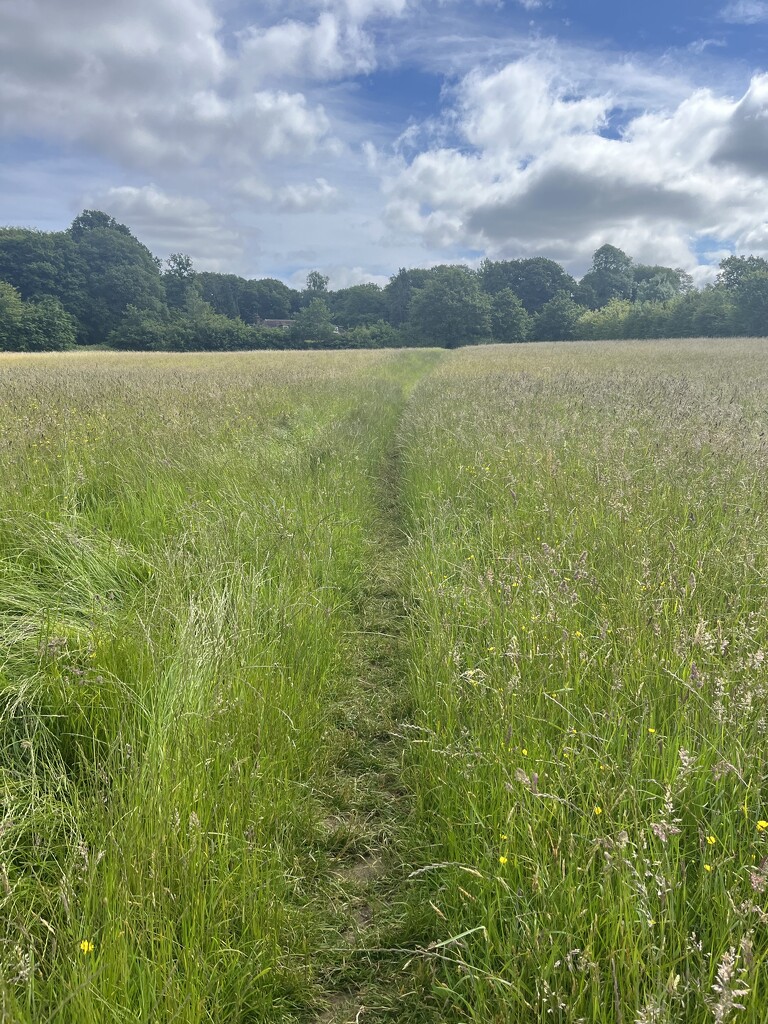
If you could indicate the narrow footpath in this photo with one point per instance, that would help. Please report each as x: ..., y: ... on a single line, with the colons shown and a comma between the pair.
x: 367, y: 950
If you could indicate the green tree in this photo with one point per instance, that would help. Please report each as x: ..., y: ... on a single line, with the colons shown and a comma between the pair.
x: 222, y: 292
x: 95, y: 220
x: 378, y: 335
x: 316, y: 286
x: 611, y: 277
x: 42, y: 325
x: 659, y: 284
x: 751, y: 295
x: 606, y: 323
x: 357, y: 306
x: 509, y: 319
x: 451, y: 309
x: 714, y: 314
x: 268, y: 299
x: 141, y: 330
x: 48, y: 326
x: 735, y: 269
x: 313, y: 322
x: 400, y: 290
x: 182, y: 290
x: 558, y: 320
x: 535, y: 281
x: 11, y: 319
x: 117, y: 272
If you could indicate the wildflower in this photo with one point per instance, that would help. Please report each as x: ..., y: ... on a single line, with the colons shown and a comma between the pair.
x: 504, y: 835
x: 86, y: 946
x: 707, y: 867
x: 524, y: 752
x: 711, y: 840
x: 762, y: 826
x: 652, y: 731
x: 578, y: 633
x: 598, y: 810
x: 502, y: 859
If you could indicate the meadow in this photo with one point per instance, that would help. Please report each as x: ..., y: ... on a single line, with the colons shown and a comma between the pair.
x: 412, y: 686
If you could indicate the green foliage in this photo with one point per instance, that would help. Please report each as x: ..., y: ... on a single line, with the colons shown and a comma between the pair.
x: 376, y: 335
x: 182, y: 291
x: 714, y: 315
x: 398, y: 293
x: 606, y: 323
x: 115, y: 289
x: 117, y: 272
x: 450, y: 309
x: 535, y: 281
x: 313, y: 322
x: 558, y: 319
x: 509, y: 319
x: 317, y: 285
x: 37, y: 326
x: 611, y: 277
x: 735, y: 269
x: 357, y: 306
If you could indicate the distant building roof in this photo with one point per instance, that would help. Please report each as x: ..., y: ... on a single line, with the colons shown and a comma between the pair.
x: 276, y: 323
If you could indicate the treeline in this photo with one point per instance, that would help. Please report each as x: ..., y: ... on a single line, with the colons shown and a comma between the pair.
x: 95, y: 283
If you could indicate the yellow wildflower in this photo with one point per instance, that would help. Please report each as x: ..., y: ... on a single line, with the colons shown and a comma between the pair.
x: 762, y: 826
x: 711, y: 840
x: 651, y: 731
x: 86, y: 946
x: 707, y: 867
x: 598, y: 810
x: 502, y: 859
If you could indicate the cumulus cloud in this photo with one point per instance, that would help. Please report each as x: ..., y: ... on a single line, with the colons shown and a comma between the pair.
x: 744, y: 141
x: 148, y: 83
x: 172, y: 223
x: 534, y: 171
x: 305, y: 197
x: 327, y: 49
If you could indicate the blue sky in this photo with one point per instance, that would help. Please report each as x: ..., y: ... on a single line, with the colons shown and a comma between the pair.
x: 358, y: 136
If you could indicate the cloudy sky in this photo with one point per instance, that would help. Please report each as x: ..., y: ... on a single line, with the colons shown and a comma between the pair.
x: 270, y: 137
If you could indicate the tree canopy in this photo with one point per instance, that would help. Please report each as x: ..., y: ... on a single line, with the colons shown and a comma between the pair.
x: 95, y: 283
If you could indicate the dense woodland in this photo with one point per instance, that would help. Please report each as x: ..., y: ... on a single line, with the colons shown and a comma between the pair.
x: 96, y: 284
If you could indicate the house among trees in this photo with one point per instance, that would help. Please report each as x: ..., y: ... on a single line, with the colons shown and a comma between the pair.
x: 282, y: 324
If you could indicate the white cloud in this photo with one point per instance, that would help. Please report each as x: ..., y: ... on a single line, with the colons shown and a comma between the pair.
x: 242, y: 114
x: 328, y: 49
x: 148, y: 84
x: 534, y: 172
x: 523, y: 107
x: 170, y: 223
x: 745, y: 12
x: 304, y: 197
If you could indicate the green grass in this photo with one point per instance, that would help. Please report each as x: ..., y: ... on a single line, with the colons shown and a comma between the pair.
x: 492, y: 622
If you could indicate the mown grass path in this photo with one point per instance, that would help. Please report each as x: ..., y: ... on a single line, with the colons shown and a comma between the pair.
x: 368, y: 805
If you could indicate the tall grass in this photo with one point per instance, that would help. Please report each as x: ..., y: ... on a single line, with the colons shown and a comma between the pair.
x: 222, y: 577
x: 589, y: 645
x: 184, y: 546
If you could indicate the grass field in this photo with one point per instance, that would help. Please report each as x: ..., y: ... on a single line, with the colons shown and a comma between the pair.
x: 406, y: 686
